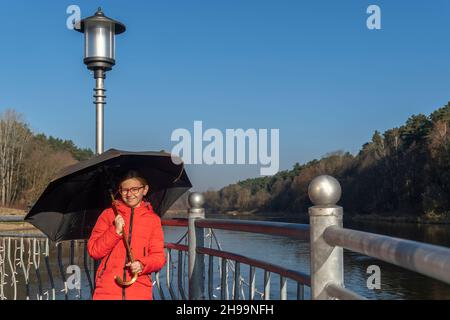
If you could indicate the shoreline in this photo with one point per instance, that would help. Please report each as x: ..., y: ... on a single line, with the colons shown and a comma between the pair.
x: 425, y: 219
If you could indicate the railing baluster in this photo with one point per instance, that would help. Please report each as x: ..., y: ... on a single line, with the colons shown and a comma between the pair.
x: 283, y: 288
x: 61, y: 269
x: 180, y: 275
x: 49, y: 270
x: 16, y: 259
x: 2, y: 268
x: 36, y: 262
x: 266, y: 285
x: 72, y: 247
x: 252, y: 283
x: 25, y: 269
x: 17, y: 249
x: 237, y: 276
x: 77, y: 252
x: 158, y: 285
x: 300, y: 291
x: 86, y: 267
x: 223, y: 282
x: 13, y: 270
x: 210, y: 277
x: 168, y: 270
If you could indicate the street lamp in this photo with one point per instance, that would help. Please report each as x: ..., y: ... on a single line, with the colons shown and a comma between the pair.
x: 99, y: 56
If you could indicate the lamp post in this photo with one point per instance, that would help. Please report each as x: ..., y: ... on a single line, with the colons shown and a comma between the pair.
x: 99, y: 56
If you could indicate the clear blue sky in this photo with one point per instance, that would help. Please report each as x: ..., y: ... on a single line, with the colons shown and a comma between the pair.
x: 310, y: 68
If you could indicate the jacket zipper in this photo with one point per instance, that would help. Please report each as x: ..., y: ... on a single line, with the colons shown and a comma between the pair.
x: 126, y: 256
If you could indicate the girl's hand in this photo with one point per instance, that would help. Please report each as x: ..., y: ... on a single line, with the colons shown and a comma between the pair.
x: 119, y: 223
x: 135, y: 266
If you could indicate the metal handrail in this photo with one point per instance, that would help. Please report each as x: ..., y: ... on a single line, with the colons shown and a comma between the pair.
x: 38, y: 235
x: 292, y: 230
x: 341, y: 293
x: 177, y: 222
x: 426, y: 259
x: 175, y: 246
x: 12, y: 218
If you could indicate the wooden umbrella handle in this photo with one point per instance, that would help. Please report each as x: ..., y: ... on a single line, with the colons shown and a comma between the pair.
x: 119, y: 281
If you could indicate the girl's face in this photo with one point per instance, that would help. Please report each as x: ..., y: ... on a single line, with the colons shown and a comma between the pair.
x: 132, y: 191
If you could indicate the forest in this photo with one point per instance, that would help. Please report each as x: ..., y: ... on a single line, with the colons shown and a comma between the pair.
x: 29, y: 161
x: 404, y: 170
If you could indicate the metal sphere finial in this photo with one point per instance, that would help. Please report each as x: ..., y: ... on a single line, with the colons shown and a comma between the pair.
x: 196, y: 200
x: 324, y: 190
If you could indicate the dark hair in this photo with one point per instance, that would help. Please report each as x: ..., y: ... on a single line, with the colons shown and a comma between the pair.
x: 133, y: 174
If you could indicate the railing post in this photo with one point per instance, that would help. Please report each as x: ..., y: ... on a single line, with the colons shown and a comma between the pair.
x: 196, y: 239
x: 326, y: 261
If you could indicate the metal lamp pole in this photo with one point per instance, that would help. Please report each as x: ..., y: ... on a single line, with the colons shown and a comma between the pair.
x: 99, y: 56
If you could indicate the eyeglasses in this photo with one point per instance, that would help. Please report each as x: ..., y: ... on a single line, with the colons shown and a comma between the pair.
x: 134, y: 190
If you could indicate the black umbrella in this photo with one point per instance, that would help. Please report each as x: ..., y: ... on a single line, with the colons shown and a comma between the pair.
x: 70, y: 205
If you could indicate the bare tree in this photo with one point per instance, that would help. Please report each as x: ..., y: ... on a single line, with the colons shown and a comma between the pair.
x: 14, y: 139
x: 438, y: 137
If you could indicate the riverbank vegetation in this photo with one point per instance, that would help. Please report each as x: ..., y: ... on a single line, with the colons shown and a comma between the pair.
x: 29, y: 161
x: 404, y: 169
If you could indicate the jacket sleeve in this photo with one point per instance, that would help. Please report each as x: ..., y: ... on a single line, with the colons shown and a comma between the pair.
x: 103, y: 237
x: 155, y: 258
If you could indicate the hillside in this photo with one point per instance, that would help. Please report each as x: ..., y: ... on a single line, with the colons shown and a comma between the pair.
x: 402, y: 170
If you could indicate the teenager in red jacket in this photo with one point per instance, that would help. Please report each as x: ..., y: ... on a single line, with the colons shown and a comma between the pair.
x: 145, y: 236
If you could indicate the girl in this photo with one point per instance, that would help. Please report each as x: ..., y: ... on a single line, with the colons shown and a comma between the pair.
x: 145, y: 236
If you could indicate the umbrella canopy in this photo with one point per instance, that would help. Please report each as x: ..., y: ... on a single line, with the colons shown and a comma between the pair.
x: 70, y: 205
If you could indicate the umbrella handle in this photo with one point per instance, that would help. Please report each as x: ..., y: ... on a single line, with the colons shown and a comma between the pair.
x: 122, y: 283
x: 129, y: 253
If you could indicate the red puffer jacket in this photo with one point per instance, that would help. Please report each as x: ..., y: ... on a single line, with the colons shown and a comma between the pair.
x: 143, y: 227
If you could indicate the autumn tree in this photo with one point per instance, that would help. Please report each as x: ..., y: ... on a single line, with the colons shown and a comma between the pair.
x: 14, y: 139
x: 28, y: 162
x: 404, y: 169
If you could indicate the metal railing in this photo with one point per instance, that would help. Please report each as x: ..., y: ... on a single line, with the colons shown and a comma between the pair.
x: 197, y: 271
x: 329, y: 238
x: 23, y: 272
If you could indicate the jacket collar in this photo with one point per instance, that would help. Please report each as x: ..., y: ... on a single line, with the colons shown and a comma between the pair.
x: 142, y: 208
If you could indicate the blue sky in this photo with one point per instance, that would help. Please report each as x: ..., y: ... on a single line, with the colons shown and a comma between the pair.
x: 309, y: 68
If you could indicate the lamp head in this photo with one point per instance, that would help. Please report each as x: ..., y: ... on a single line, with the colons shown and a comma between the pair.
x: 99, y: 40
